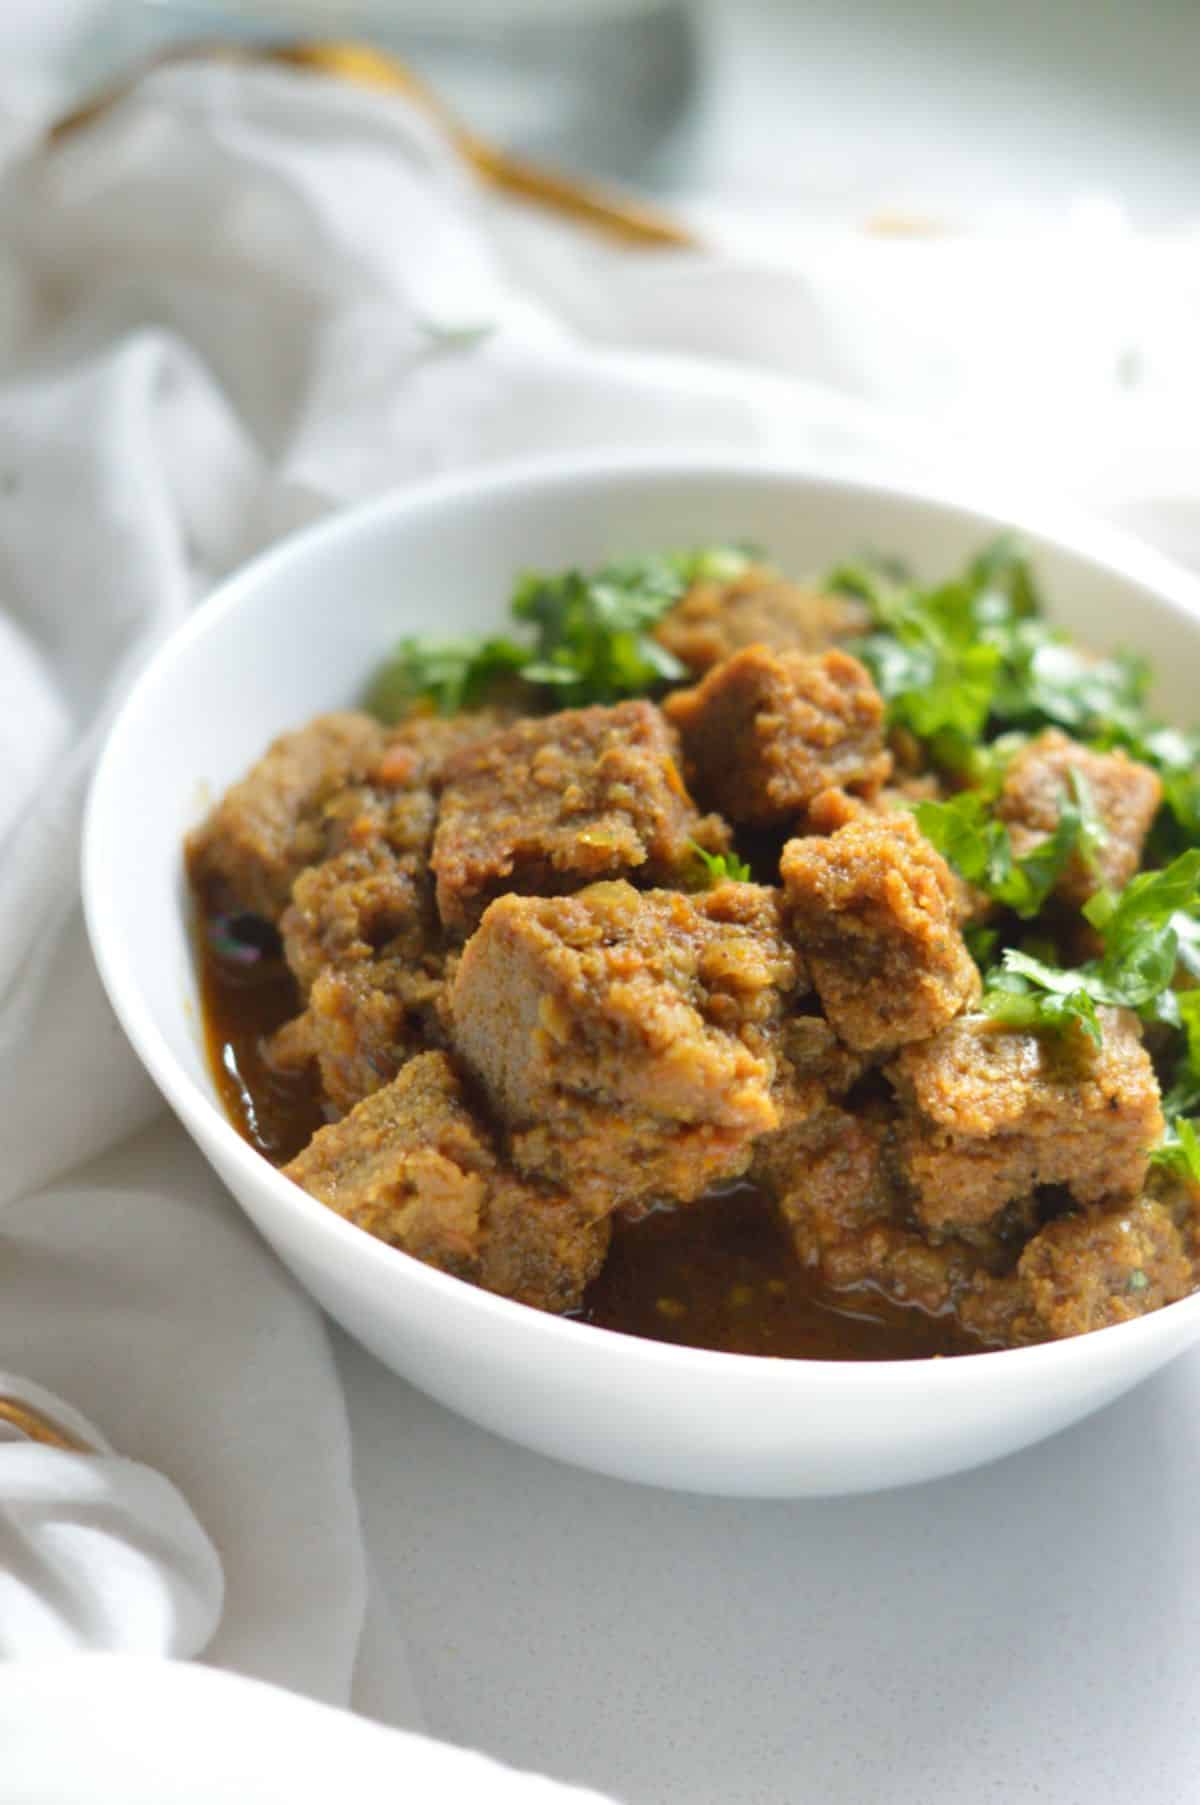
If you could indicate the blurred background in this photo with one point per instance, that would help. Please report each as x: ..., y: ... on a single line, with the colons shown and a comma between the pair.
x: 906, y: 114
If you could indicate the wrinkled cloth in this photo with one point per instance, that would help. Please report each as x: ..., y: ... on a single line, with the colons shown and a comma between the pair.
x: 97, y: 1552
x: 228, y: 1740
x: 240, y: 299
x: 137, y: 1295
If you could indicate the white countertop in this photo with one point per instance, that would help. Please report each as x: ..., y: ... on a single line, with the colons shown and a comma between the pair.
x: 1027, y: 1632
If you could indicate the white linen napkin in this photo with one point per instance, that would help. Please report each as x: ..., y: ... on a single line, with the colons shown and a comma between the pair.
x: 96, y: 1552
x: 241, y: 298
x: 140, y: 1732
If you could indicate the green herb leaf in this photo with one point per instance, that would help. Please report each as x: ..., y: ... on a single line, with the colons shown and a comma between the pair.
x: 981, y: 942
x: 1141, y: 943
x: 1182, y: 1097
x: 1026, y: 994
x: 969, y: 836
x: 973, y: 657
x: 1139, y: 962
x: 452, y: 673
x: 591, y: 640
x: 720, y: 867
x: 1180, y: 1151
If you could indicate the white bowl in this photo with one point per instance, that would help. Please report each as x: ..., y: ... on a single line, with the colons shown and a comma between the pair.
x: 298, y: 632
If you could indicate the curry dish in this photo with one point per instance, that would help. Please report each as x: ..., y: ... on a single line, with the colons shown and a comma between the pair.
x: 786, y: 970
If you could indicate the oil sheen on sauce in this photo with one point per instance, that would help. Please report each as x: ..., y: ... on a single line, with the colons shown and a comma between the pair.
x: 716, y: 1274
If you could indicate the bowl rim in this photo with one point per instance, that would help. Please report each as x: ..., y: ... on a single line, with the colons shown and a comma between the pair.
x: 1000, y: 505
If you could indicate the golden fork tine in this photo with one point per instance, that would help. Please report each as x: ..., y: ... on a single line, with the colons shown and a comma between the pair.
x: 620, y: 216
x: 38, y: 1427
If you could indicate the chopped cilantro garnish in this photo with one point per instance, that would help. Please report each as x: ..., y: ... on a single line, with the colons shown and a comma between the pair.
x: 591, y: 639
x: 978, y: 845
x: 1141, y: 938
x: 1024, y: 992
x: 452, y: 673
x: 1180, y: 1151
x: 970, y: 658
x: 934, y: 671
x: 1183, y: 1096
x: 592, y: 633
x: 721, y: 867
x: 1135, y: 971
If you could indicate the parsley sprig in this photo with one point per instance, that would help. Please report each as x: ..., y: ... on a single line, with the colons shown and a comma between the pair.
x: 720, y: 867
x: 587, y: 638
x: 1179, y: 1152
x: 1141, y: 929
x: 967, y: 834
x: 974, y: 658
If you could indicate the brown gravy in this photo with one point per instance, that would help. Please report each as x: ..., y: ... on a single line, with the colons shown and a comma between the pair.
x: 717, y: 1274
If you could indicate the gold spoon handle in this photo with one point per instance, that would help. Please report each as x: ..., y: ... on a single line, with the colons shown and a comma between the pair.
x: 621, y: 216
x: 36, y: 1426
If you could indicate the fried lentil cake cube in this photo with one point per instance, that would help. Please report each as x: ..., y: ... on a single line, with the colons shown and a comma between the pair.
x: 834, y: 1181
x: 355, y: 906
x: 1104, y: 1266
x: 625, y: 1038
x: 830, y: 1176
x: 388, y: 819
x: 765, y: 732
x: 551, y: 805
x: 414, y: 1167
x: 303, y: 798
x: 813, y: 1073
x: 874, y: 910
x: 366, y: 1021
x: 361, y: 932
x: 268, y: 827
x: 373, y: 893
x: 361, y: 937
x: 1180, y: 1197
x: 716, y: 619
x: 992, y: 1113
x: 1126, y: 797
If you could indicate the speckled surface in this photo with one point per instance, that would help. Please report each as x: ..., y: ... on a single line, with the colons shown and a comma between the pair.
x: 1027, y: 1632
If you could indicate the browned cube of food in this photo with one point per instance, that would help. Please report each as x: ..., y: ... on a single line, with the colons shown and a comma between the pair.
x: 830, y: 1175
x: 715, y: 619
x: 361, y: 932
x: 538, y: 1246
x: 1180, y: 1197
x: 1104, y: 1266
x: 355, y: 907
x: 268, y: 827
x: 991, y: 1114
x: 396, y: 804
x: 551, y: 805
x: 366, y: 1021
x: 361, y: 937
x: 833, y: 1178
x: 767, y: 731
x: 812, y: 1070
x: 874, y: 910
x: 1126, y: 797
x: 624, y: 1039
x: 413, y: 1167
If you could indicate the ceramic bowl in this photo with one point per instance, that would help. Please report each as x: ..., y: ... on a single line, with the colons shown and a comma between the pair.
x: 297, y: 632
